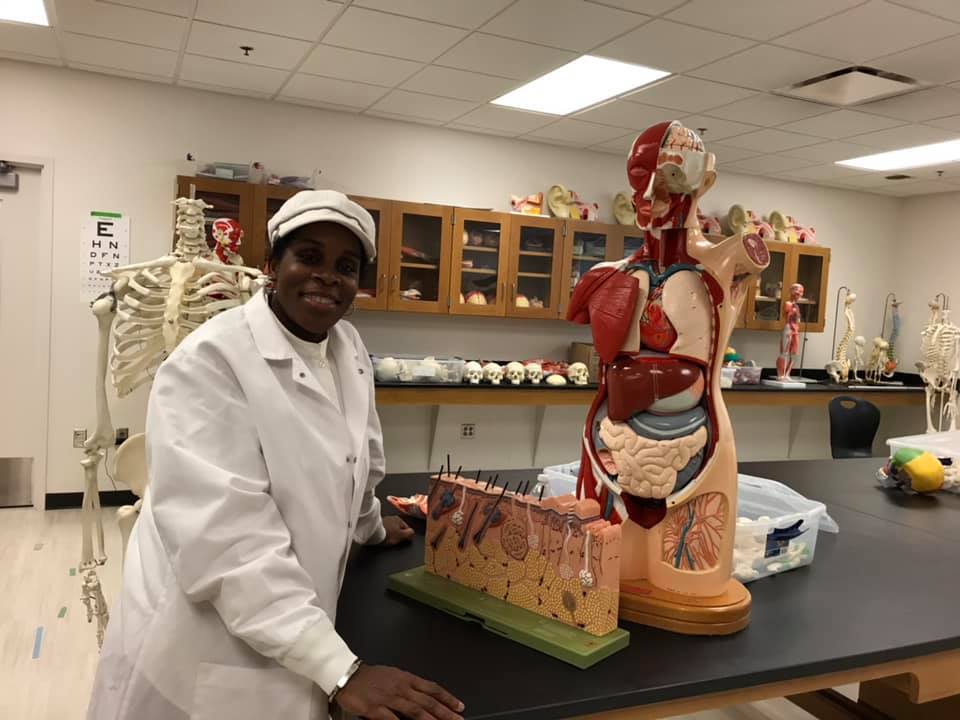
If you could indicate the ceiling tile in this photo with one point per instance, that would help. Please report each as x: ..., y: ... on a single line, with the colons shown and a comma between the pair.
x: 924, y: 187
x: 624, y: 114
x: 823, y: 172
x: 872, y: 180
x: 917, y: 106
x: 458, y: 84
x: 460, y: 13
x: 621, y: 145
x: 238, y: 76
x: 931, y: 63
x: 29, y: 40
x: 716, y: 129
x: 829, y: 152
x: 903, y: 137
x: 507, y: 58
x: 359, y: 66
x: 840, y: 124
x: 771, y: 141
x: 182, y: 8
x: 224, y: 43
x: 671, y: 46
x: 766, y: 67
x: 121, y: 23
x: 947, y: 123
x: 688, y: 94
x: 505, y: 119
x: 319, y: 104
x: 578, y: 131
x: 482, y: 131
x: 648, y: 7
x: 944, y: 8
x: 758, y: 19
x: 567, y: 24
x: 304, y: 19
x: 211, y: 87
x: 117, y: 72
x: 361, y: 29
x: 766, y: 165
x: 404, y: 118
x: 88, y: 50
x: 728, y: 153
x: 868, y: 31
x: 329, y: 90
x: 768, y: 110
x: 418, y: 105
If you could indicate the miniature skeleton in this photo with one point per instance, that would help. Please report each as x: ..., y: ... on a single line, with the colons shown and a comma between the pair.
x: 515, y: 373
x: 841, y: 363
x: 150, y: 308
x: 492, y: 373
x: 878, y: 360
x: 534, y: 372
x: 473, y: 372
x: 578, y: 373
x: 859, y: 343
x: 940, y: 368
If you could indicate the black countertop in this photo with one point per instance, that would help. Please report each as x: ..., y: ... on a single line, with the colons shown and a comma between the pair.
x: 883, y: 589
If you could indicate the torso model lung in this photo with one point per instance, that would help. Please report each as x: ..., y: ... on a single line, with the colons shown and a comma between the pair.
x: 658, y: 450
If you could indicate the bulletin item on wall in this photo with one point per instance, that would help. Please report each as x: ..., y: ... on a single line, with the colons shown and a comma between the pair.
x: 527, y: 204
x: 940, y: 366
x: 838, y: 369
x: 105, y: 245
x: 623, y: 210
x: 658, y: 448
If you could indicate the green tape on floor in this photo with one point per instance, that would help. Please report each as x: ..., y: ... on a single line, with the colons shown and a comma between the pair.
x: 551, y: 637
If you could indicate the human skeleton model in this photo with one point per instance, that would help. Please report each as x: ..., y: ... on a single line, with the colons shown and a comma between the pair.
x: 859, y: 343
x: 790, y: 339
x: 839, y: 368
x: 940, y: 368
x: 150, y: 308
x: 658, y: 450
x: 878, y: 361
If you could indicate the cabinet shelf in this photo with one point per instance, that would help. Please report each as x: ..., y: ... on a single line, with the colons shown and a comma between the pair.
x: 767, y: 298
x: 536, y: 253
x: 588, y: 258
x: 480, y: 248
x: 419, y: 266
x: 478, y: 271
x: 534, y: 275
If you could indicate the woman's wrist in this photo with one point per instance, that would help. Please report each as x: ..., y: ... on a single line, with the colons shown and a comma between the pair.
x: 342, y: 682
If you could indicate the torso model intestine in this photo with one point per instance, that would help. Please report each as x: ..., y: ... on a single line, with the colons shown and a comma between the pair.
x: 658, y: 451
x: 790, y: 339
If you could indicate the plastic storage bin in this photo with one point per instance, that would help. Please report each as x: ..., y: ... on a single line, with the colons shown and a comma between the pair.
x: 942, y: 444
x: 416, y: 369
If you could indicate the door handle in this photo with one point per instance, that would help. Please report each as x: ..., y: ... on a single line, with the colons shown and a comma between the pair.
x: 393, y: 283
x: 503, y: 290
x: 513, y: 290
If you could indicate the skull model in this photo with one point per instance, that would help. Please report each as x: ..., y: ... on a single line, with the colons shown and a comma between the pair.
x: 578, y: 373
x: 492, y: 373
x: 473, y: 372
x: 387, y: 370
x: 515, y: 373
x: 534, y: 372
x: 556, y: 379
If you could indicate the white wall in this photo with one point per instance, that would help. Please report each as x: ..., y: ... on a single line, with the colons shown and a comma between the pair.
x: 119, y: 143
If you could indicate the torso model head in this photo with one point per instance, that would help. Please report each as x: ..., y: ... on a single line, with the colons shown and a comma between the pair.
x: 228, y: 235
x: 796, y: 292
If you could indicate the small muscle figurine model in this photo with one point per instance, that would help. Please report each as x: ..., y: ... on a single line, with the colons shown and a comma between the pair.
x: 790, y: 339
x: 658, y: 451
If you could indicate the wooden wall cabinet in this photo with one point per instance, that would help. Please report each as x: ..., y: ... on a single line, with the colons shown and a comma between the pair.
x: 536, y: 266
x: 789, y: 263
x: 230, y: 199
x: 419, y: 257
x: 585, y: 244
x: 479, y: 263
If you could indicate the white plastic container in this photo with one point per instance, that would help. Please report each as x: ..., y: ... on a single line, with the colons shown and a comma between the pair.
x: 416, y: 369
x: 776, y: 526
x: 941, y: 444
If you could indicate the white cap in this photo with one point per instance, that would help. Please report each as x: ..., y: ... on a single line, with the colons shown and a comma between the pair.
x: 313, y: 206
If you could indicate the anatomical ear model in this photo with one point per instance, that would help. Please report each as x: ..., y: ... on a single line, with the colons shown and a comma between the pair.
x: 658, y: 451
x: 623, y: 211
x: 528, y: 205
x: 940, y: 367
x: 151, y: 307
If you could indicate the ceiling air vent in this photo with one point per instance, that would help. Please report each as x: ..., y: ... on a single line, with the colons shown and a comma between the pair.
x: 898, y: 176
x: 851, y: 86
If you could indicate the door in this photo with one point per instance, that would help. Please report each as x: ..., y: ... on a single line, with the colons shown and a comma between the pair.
x: 478, y: 262
x: 536, y: 267
x: 585, y: 245
x: 813, y: 267
x: 420, y: 257
x: 25, y: 256
x: 765, y: 301
x: 267, y: 200
x: 230, y: 199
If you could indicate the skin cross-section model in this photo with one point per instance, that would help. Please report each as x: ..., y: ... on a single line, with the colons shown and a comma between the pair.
x: 556, y: 557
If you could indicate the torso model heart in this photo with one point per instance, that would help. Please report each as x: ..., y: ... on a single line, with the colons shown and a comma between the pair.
x: 658, y: 450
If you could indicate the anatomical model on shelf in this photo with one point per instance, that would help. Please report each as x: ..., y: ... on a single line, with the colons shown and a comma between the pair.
x: 151, y: 307
x: 528, y: 205
x: 740, y: 220
x: 859, y: 343
x: 623, y: 210
x: 877, y: 367
x: 556, y: 557
x: 565, y: 204
x: 658, y: 448
x: 786, y: 229
x: 839, y: 367
x: 790, y: 338
x: 228, y: 236
x: 940, y: 368
x: 893, y: 361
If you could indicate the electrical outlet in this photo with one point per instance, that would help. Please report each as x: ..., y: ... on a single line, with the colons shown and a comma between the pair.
x: 79, y: 438
x: 122, y: 435
x: 468, y: 431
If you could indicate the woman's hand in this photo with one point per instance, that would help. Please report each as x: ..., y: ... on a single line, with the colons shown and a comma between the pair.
x: 397, y: 531
x: 378, y: 693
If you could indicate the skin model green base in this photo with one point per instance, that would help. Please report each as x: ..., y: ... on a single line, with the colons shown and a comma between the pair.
x: 551, y: 637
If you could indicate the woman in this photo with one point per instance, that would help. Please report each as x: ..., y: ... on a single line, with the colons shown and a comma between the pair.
x: 264, y: 449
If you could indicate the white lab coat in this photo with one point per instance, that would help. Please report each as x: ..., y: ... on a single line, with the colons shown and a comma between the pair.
x: 234, y: 567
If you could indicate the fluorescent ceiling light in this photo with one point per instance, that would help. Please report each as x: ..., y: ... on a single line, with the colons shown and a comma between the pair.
x: 24, y: 11
x: 580, y: 83
x: 920, y: 156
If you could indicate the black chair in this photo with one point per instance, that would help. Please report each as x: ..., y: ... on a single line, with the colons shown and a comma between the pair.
x: 853, y: 425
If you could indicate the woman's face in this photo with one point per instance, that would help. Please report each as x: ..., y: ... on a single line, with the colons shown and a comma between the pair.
x: 317, y: 276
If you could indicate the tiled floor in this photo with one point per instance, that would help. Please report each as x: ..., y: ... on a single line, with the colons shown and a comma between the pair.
x: 37, y: 552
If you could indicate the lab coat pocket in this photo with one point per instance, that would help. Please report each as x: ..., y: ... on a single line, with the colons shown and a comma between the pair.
x: 239, y: 693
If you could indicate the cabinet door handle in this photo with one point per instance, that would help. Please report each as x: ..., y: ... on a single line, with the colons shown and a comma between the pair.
x: 503, y: 292
x: 393, y: 281
x: 513, y: 290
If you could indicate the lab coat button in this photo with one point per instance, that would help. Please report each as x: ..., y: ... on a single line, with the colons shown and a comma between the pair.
x: 360, y: 370
x: 302, y: 375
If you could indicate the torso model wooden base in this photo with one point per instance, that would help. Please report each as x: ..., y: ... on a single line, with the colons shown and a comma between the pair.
x: 644, y: 604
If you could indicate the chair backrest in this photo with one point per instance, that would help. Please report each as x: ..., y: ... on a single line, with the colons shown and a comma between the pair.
x: 853, y: 425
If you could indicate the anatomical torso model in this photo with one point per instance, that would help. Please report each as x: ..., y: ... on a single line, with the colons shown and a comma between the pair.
x: 658, y: 451
x: 790, y: 339
x: 150, y: 308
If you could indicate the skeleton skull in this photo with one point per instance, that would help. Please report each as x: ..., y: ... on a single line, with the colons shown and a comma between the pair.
x: 534, y: 372
x: 473, y: 372
x: 515, y: 373
x: 492, y: 373
x: 556, y: 379
x: 578, y: 373
x: 387, y: 370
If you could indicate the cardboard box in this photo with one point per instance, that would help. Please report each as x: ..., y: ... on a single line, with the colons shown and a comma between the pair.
x: 584, y: 352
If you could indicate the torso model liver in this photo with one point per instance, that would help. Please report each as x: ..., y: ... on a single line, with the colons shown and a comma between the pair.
x: 658, y: 451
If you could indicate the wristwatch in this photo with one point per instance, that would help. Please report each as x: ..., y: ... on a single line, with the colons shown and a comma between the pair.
x: 342, y: 682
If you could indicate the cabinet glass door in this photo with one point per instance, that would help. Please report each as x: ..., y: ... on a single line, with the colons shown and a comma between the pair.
x: 230, y: 199
x: 479, y: 262
x: 586, y: 245
x: 372, y: 294
x: 765, y: 311
x: 632, y: 243
x: 811, y: 273
x: 420, y: 258
x: 535, y: 268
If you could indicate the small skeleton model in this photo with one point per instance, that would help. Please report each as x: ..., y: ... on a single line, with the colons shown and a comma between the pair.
x: 790, y: 339
x: 151, y: 307
x: 839, y: 368
x: 859, y: 343
x: 940, y: 368
x: 878, y: 360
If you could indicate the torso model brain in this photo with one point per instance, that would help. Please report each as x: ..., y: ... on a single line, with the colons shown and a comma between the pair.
x: 658, y: 452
